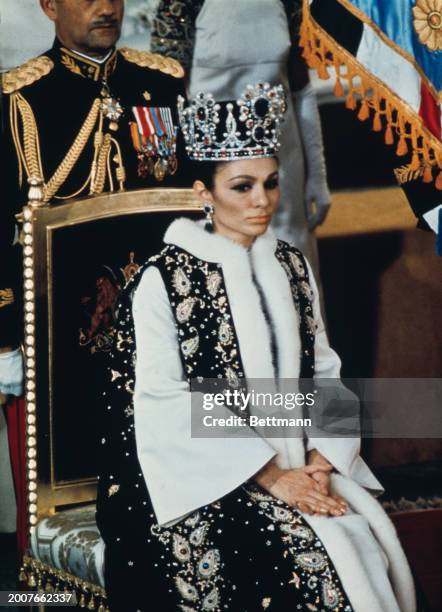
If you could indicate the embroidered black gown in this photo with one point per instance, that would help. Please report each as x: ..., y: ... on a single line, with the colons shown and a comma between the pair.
x: 246, y: 551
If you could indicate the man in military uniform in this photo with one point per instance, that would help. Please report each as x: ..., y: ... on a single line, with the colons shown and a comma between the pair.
x: 81, y: 119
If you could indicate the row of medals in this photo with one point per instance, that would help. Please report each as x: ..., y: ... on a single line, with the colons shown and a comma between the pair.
x: 150, y: 161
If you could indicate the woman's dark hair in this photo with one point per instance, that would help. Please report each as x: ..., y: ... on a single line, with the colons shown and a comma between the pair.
x: 205, y: 171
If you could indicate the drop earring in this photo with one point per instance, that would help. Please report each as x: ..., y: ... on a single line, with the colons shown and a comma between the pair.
x: 209, y: 210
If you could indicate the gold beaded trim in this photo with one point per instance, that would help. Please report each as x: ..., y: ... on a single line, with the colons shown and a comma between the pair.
x: 30, y: 369
x: 44, y: 578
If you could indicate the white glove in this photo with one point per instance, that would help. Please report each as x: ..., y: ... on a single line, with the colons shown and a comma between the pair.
x: 317, y: 194
x: 11, y: 373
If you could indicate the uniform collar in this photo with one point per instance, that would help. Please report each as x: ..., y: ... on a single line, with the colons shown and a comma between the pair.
x: 87, y: 67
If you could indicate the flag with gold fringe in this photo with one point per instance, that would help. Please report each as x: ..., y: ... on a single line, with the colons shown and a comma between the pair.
x: 387, y: 58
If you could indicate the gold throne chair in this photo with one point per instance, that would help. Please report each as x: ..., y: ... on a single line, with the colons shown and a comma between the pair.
x: 77, y: 255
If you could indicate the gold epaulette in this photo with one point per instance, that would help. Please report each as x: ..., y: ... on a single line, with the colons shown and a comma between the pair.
x: 154, y: 61
x: 26, y: 74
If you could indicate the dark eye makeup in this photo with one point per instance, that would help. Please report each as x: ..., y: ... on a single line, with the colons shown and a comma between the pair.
x: 243, y: 187
x: 271, y: 183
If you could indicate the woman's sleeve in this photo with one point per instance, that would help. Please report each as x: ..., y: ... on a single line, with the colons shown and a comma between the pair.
x: 343, y: 453
x: 182, y: 472
x: 173, y: 32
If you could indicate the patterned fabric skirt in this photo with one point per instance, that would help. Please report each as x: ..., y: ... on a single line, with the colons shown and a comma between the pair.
x: 244, y: 553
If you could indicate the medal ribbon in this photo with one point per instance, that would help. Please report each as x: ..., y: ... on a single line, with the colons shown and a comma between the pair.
x: 145, y: 125
x: 166, y: 116
x: 154, y: 136
x: 160, y: 131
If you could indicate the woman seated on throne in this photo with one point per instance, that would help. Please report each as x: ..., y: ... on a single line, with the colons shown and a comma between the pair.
x: 242, y: 523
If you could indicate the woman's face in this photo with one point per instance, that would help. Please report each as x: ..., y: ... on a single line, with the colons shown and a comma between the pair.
x: 245, y: 197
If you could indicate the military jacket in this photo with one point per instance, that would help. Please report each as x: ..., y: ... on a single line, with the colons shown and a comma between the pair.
x: 70, y: 130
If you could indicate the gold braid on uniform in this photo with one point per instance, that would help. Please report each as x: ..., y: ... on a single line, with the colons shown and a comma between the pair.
x: 99, y: 177
x: 28, y: 152
x: 65, y: 168
x: 26, y: 74
x: 120, y: 171
x: 28, y: 148
x: 154, y: 61
x: 26, y: 138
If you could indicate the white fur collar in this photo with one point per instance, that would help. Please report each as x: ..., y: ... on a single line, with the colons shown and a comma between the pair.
x: 192, y: 236
x: 239, y: 265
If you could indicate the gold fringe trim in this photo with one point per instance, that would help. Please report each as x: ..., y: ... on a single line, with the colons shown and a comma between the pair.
x: 6, y: 297
x: 372, y: 98
x: 405, y: 174
x: 351, y: 8
x: 44, y: 578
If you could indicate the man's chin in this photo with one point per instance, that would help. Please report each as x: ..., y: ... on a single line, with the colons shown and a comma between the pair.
x: 103, y: 39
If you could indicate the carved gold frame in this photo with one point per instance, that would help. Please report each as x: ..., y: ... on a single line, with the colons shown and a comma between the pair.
x: 39, y: 223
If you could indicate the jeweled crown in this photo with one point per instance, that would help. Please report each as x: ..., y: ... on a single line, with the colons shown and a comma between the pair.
x: 248, y: 127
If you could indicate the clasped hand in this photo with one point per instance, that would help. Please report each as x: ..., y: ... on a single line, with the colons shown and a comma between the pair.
x: 306, y: 488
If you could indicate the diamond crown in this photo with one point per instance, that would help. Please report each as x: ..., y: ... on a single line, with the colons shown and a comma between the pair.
x: 249, y: 127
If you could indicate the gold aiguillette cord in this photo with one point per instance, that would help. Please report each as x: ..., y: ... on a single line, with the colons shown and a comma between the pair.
x: 29, y: 154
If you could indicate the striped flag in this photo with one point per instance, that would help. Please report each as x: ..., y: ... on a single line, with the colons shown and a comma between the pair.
x: 387, y: 57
